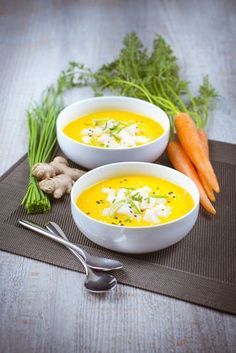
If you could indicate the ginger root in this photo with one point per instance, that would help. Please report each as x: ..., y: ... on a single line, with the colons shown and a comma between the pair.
x: 58, y: 166
x: 56, y: 177
x: 57, y: 186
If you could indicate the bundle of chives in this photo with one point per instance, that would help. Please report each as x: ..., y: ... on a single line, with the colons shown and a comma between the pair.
x: 42, y: 130
x: 42, y: 143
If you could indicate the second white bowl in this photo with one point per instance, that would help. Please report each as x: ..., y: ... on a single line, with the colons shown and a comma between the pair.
x: 134, y: 240
x: 90, y: 156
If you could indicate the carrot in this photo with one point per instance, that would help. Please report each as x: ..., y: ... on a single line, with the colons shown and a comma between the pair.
x: 207, y: 187
x: 204, y: 139
x: 181, y: 162
x: 191, y: 143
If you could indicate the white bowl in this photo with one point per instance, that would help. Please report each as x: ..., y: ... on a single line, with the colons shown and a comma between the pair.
x: 91, y: 156
x: 134, y: 239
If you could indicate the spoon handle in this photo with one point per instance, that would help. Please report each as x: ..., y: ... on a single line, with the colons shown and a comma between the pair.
x: 52, y: 228
x: 40, y: 230
x: 55, y: 229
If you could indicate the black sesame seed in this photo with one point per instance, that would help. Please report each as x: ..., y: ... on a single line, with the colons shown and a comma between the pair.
x: 98, y: 202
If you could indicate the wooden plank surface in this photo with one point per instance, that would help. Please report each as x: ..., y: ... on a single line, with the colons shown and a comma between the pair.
x: 44, y: 308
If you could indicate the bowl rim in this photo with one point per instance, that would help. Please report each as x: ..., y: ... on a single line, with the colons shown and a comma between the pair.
x: 165, y: 132
x: 196, y: 204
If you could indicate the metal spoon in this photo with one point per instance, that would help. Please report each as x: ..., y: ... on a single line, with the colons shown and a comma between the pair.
x: 96, y: 281
x: 95, y: 262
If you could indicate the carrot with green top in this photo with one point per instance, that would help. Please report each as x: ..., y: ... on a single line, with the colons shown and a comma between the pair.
x: 182, y: 163
x: 192, y: 145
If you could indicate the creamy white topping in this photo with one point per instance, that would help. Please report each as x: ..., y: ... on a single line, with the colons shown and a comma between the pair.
x: 111, y: 133
x: 140, y: 203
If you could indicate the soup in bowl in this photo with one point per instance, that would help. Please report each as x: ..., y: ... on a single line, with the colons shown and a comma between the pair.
x: 135, y: 207
x: 104, y: 130
x: 113, y: 129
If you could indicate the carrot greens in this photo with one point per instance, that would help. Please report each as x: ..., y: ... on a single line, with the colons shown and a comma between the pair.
x: 154, y: 77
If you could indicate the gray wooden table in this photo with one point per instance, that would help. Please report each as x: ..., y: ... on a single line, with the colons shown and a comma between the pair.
x: 44, y: 308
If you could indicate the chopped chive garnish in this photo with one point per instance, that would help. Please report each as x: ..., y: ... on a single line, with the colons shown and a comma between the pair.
x: 135, y: 206
x: 127, y: 220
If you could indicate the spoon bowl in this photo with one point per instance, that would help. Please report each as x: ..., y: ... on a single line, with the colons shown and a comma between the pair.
x: 99, y: 282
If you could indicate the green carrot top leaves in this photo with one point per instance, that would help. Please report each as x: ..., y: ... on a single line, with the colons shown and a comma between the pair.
x: 202, y: 103
x: 155, y: 77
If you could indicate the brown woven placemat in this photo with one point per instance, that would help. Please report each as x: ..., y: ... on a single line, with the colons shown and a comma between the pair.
x: 199, y: 269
